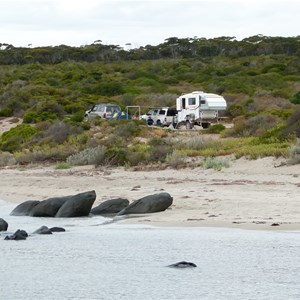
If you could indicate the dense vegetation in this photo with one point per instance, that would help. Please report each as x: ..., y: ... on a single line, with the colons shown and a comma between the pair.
x: 49, y: 88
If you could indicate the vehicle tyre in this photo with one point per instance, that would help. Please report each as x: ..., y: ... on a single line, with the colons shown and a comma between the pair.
x: 189, y: 125
x: 158, y: 123
x: 205, y: 125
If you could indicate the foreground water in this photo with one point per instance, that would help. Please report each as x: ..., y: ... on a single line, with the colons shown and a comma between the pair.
x: 116, y: 261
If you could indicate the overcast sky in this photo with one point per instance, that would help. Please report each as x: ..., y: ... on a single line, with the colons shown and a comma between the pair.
x: 119, y: 22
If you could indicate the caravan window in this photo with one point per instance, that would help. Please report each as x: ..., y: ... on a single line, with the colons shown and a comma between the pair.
x: 202, y: 101
x: 192, y: 101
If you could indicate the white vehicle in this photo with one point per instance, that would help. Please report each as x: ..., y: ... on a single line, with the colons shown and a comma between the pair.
x: 198, y: 108
x: 164, y: 116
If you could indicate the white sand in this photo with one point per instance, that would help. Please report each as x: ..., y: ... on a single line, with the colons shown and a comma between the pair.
x: 249, y: 194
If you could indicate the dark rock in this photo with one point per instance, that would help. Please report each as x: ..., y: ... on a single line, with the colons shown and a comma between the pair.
x: 18, y: 235
x: 183, y: 264
x: 43, y: 230
x: 57, y: 229
x: 3, y: 225
x: 275, y: 224
x: 24, y: 209
x: 112, y: 206
x: 77, y: 206
x: 49, y: 207
x: 149, y: 204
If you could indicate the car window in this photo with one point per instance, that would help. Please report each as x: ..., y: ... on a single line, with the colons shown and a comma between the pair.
x: 162, y: 112
x: 171, y: 112
x: 99, y: 107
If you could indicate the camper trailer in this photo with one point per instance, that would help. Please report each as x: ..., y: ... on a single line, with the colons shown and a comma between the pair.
x: 198, y: 108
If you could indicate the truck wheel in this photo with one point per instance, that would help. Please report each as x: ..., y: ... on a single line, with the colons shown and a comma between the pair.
x: 205, y: 125
x: 158, y: 123
x: 189, y: 125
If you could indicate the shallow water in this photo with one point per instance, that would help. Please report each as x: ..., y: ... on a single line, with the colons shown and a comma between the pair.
x: 118, y: 261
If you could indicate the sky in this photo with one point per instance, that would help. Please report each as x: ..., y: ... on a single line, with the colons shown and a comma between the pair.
x: 132, y: 24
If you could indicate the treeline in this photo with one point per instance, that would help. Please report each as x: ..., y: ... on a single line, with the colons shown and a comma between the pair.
x: 173, y: 47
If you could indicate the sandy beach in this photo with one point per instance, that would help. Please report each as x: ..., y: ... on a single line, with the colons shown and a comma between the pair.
x: 250, y: 194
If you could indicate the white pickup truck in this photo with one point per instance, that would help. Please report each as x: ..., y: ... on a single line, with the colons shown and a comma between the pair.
x: 164, y: 116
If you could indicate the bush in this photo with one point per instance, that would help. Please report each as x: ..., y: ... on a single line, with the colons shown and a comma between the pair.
x: 7, y: 159
x: 6, y: 112
x: 235, y: 110
x: 77, y: 117
x: 215, y: 163
x: 60, y: 131
x: 62, y: 166
x: 127, y: 129
x: 176, y: 159
x: 254, y: 126
x: 294, y: 154
x: 13, y: 139
x: 196, y: 143
x: 296, y: 98
x: 216, y: 128
x: 137, y: 155
x: 89, y: 156
x: 293, y: 124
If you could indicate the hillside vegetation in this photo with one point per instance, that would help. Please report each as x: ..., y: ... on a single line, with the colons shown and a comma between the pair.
x: 49, y: 88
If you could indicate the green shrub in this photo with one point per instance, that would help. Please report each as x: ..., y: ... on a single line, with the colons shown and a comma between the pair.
x: 7, y: 159
x: 116, y: 156
x: 262, y: 150
x: 89, y: 156
x: 137, y: 155
x: 6, y: 112
x: 127, y: 129
x: 62, y: 166
x: 215, y: 163
x: 13, y: 139
x: 30, y: 117
x: 295, y: 98
x: 176, y: 159
x: 253, y: 126
x: 292, y: 125
x: 59, y: 132
x: 235, y: 110
x: 294, y: 154
x: 77, y: 117
x: 216, y: 128
x: 195, y: 143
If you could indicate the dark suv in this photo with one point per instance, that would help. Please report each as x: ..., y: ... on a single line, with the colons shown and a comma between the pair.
x: 102, y: 110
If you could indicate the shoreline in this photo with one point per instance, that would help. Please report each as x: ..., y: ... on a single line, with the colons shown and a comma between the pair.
x: 250, y: 194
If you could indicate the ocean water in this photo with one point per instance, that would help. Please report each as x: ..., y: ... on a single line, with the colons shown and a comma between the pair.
x: 92, y: 260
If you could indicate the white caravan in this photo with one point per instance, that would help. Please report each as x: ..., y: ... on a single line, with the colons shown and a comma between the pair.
x: 198, y: 108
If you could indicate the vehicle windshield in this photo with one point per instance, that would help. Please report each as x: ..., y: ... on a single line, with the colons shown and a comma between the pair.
x: 113, y: 109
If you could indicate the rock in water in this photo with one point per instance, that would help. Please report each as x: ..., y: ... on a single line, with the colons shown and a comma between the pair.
x: 3, y: 225
x: 18, y: 235
x: 183, y: 264
x: 43, y: 230
x: 57, y: 229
